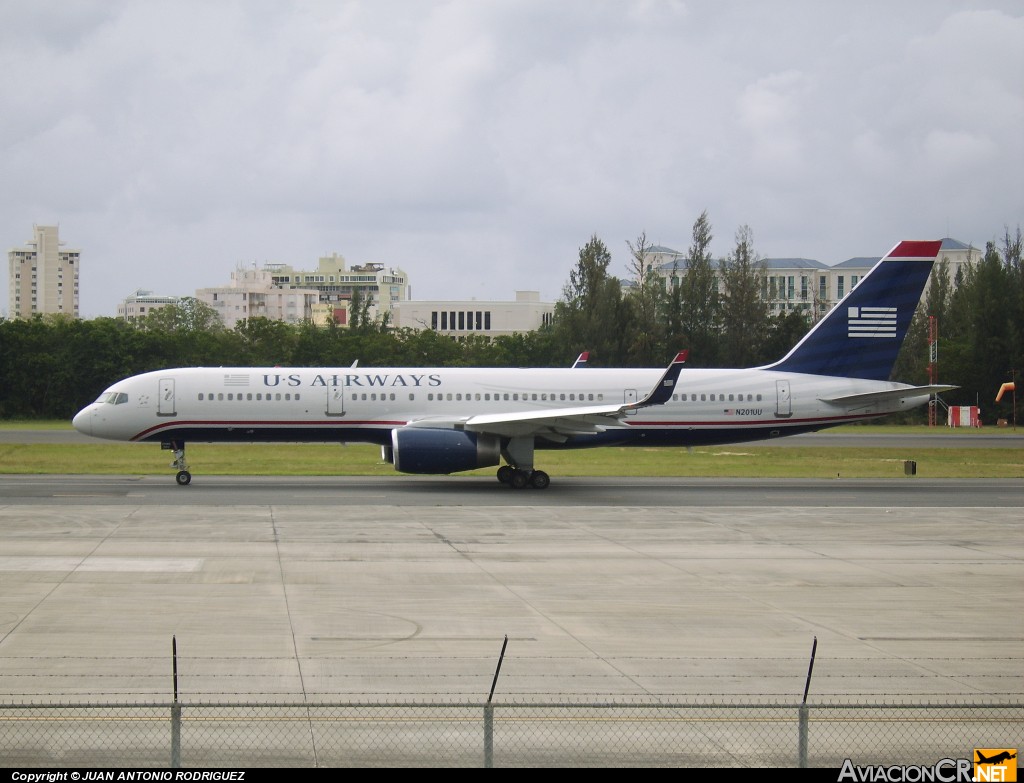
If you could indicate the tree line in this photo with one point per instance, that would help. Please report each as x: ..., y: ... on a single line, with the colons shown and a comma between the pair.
x: 51, y: 366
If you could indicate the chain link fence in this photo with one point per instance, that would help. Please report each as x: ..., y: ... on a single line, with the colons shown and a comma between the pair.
x: 549, y: 734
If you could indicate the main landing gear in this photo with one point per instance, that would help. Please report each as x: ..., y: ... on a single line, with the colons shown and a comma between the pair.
x: 519, y: 472
x: 183, y: 477
x: 518, y: 478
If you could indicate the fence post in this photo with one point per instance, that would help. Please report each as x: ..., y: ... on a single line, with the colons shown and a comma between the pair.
x: 175, y: 709
x: 488, y: 736
x: 802, y: 762
x: 804, y: 717
x: 175, y: 736
x: 489, y: 713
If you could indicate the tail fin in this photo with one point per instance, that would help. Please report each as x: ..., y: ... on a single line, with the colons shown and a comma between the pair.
x: 861, y: 336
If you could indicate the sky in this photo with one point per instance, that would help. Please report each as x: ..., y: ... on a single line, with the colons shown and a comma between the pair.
x: 478, y: 145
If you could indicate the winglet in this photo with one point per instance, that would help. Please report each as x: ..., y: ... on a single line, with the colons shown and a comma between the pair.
x: 662, y: 392
x: 581, y: 360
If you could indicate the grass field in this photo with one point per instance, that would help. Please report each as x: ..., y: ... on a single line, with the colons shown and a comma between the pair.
x: 738, y: 460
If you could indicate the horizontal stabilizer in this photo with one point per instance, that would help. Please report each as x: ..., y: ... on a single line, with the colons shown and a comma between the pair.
x: 888, y: 395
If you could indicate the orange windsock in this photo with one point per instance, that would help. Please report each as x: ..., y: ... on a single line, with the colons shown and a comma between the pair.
x: 1005, y: 388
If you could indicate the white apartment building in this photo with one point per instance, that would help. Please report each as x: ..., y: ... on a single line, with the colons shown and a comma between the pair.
x: 253, y: 293
x: 137, y: 306
x: 461, y: 318
x: 805, y: 284
x: 336, y: 283
x: 43, y: 278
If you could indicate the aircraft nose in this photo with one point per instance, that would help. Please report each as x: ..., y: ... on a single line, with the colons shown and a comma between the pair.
x: 83, y: 421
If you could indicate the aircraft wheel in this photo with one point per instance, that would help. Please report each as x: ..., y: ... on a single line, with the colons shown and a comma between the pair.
x: 505, y: 474
x: 183, y: 477
x: 520, y: 478
x: 539, y: 479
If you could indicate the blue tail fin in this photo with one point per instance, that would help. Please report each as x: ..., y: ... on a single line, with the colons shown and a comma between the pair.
x: 861, y: 336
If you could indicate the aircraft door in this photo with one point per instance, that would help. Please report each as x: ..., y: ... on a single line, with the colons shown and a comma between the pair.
x: 335, y: 401
x: 165, y: 398
x: 783, y: 399
x: 629, y: 396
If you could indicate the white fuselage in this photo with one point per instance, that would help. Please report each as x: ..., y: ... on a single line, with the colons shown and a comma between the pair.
x: 366, y: 404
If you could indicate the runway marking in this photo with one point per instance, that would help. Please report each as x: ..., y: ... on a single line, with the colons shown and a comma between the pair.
x: 94, y: 564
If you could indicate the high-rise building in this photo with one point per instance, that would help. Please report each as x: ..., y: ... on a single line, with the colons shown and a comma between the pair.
x: 43, y: 277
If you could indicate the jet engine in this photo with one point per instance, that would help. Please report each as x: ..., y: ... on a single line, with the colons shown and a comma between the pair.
x: 423, y: 450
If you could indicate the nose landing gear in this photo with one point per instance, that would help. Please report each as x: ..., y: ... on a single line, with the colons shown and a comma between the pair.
x: 183, y: 477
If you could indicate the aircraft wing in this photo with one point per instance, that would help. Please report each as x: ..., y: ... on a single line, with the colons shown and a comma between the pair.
x: 867, y: 398
x: 553, y: 422
x: 560, y: 423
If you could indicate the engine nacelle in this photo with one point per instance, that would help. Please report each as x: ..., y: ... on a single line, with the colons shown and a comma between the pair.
x: 423, y: 450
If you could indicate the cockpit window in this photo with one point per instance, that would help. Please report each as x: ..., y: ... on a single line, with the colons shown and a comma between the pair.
x: 113, y: 398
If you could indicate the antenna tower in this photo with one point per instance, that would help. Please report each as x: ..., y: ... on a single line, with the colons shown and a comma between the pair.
x: 933, y: 366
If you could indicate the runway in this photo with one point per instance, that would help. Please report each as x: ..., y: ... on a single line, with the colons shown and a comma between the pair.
x: 337, y: 587
x: 401, y: 491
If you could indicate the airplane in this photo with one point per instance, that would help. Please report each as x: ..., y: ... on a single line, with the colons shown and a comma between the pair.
x: 444, y: 420
x: 996, y: 759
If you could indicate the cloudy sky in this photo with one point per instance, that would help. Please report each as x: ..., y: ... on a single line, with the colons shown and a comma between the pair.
x: 479, y: 144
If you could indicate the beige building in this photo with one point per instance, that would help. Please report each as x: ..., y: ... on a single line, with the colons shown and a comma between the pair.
x: 253, y: 293
x: 43, y: 277
x: 336, y: 283
x: 137, y: 306
x: 461, y: 318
